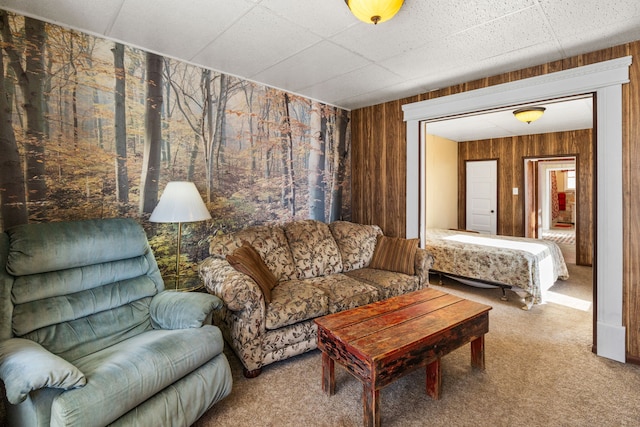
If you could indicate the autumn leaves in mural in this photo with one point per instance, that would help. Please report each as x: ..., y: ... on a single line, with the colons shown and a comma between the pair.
x: 98, y: 129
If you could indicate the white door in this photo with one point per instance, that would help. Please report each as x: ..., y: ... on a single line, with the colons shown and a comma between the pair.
x: 482, y: 195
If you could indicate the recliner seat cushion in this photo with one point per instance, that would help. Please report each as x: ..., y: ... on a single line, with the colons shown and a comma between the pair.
x: 126, y: 374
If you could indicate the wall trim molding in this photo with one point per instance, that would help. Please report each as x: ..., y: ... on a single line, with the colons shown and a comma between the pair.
x: 605, y: 79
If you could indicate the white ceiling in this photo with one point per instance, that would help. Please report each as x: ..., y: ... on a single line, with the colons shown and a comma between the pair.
x: 560, y: 115
x: 319, y: 50
x: 316, y: 48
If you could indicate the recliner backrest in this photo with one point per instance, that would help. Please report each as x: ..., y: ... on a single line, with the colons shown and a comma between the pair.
x: 81, y: 286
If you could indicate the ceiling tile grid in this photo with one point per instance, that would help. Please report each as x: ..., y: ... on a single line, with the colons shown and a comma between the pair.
x: 320, y: 50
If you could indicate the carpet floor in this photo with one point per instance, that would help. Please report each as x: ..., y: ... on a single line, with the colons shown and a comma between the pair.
x: 565, y: 237
x: 540, y: 371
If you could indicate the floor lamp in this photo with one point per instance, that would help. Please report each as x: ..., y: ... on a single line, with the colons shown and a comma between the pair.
x: 180, y: 202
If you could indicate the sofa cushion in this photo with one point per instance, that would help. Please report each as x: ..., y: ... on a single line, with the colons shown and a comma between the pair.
x: 395, y: 254
x: 122, y: 376
x: 247, y: 260
x: 343, y: 292
x: 314, y: 250
x: 388, y: 283
x: 294, y: 301
x: 268, y: 240
x: 356, y: 243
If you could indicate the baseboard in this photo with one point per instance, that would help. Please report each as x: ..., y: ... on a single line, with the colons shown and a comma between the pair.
x: 634, y: 360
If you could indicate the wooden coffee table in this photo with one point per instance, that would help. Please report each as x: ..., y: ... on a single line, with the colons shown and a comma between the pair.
x: 380, y: 342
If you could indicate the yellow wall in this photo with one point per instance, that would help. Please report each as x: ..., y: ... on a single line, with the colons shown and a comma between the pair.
x: 442, y: 182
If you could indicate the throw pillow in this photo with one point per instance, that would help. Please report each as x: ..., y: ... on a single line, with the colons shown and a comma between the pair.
x: 247, y: 260
x: 395, y: 254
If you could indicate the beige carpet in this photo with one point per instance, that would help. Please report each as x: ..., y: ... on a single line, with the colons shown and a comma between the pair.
x: 540, y: 371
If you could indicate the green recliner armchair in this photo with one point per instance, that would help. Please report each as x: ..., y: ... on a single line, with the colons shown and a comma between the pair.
x: 89, y: 337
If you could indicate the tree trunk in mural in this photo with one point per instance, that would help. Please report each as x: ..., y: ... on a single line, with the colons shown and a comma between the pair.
x: 122, y: 176
x: 316, y: 164
x: 288, y: 188
x: 74, y: 93
x: 247, y: 87
x: 31, y: 81
x: 339, y: 164
x: 153, y: 135
x: 166, y: 116
x: 12, y: 194
x: 218, y: 129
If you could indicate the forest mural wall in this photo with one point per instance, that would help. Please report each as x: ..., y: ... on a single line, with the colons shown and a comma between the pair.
x: 90, y: 128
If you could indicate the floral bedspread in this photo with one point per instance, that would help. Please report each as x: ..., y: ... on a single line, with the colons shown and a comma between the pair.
x: 532, y: 265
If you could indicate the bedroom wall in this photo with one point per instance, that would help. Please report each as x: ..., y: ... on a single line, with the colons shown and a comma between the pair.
x: 511, y: 152
x: 441, y: 168
x: 379, y: 185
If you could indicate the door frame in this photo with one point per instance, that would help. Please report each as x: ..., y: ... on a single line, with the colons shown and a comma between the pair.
x: 605, y: 79
x: 535, y: 204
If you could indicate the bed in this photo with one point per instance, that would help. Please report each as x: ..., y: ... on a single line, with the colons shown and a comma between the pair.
x: 527, y: 266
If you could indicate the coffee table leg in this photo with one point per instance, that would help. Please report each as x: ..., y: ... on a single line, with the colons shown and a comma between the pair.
x: 477, y: 352
x: 328, y: 376
x: 371, y: 405
x: 434, y: 379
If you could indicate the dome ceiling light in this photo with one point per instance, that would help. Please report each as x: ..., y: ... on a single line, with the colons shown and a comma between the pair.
x: 529, y: 114
x: 374, y: 11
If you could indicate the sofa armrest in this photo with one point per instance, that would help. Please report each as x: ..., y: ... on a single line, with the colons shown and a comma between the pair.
x: 26, y: 366
x: 181, y: 310
x: 236, y: 289
x: 423, y: 262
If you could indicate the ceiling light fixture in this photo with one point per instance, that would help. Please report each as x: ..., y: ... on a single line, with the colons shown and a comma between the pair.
x: 530, y: 114
x: 374, y: 11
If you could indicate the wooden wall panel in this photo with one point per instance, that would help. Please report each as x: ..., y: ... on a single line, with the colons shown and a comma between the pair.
x: 511, y: 153
x: 369, y: 178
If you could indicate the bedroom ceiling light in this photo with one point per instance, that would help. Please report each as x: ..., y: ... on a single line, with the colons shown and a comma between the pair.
x: 374, y: 11
x: 530, y: 114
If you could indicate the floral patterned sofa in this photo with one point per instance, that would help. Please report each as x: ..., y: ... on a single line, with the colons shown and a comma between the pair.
x: 318, y: 269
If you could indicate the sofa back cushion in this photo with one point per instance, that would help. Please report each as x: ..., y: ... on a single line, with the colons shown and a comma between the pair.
x: 314, y: 250
x: 268, y: 240
x: 356, y: 243
x: 81, y: 286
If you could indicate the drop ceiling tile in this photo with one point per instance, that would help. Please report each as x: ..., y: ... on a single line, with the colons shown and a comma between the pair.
x: 503, y: 35
x: 351, y: 84
x: 315, y: 64
x: 254, y: 43
x: 419, y: 23
x: 324, y: 18
x: 571, y: 17
x: 95, y: 17
x: 379, y: 95
x: 182, y: 34
x: 601, y: 38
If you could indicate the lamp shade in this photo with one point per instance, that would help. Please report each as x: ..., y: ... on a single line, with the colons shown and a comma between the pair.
x: 374, y: 11
x: 530, y: 114
x: 180, y: 202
